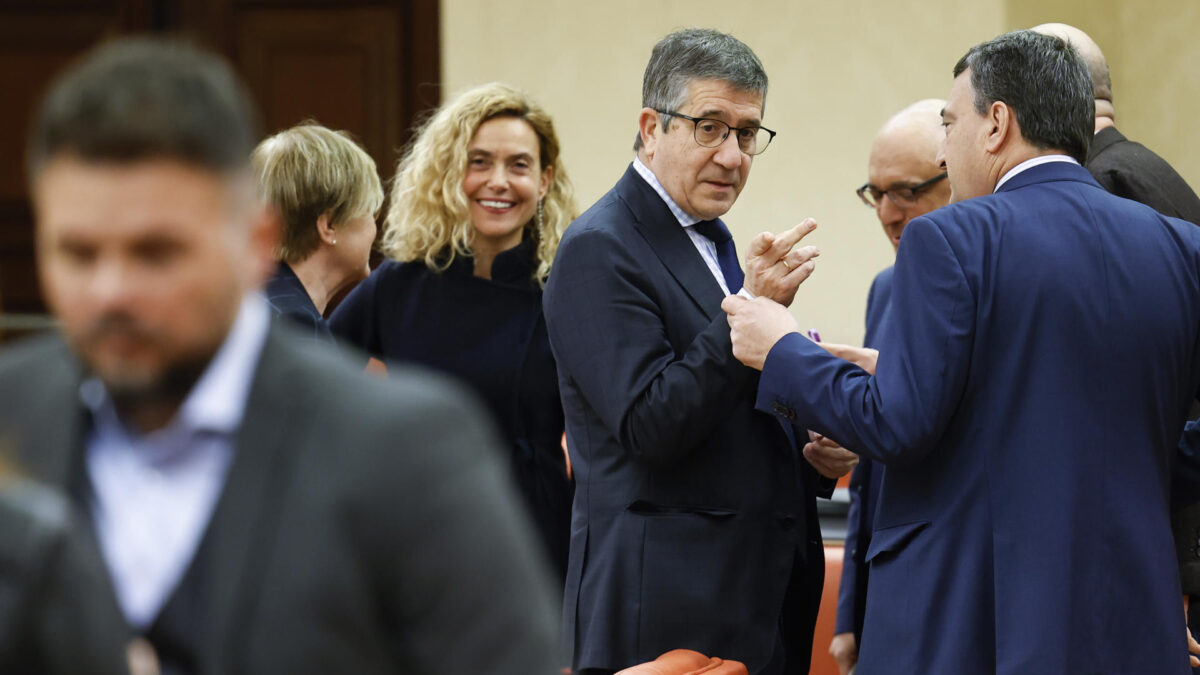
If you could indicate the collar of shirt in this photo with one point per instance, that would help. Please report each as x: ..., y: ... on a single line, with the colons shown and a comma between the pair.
x: 217, y: 402
x: 647, y: 175
x: 1030, y: 163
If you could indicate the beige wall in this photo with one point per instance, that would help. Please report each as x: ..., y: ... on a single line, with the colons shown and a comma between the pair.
x: 837, y: 70
x: 1154, y: 59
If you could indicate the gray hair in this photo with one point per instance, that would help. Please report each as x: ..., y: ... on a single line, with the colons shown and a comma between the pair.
x: 697, y: 54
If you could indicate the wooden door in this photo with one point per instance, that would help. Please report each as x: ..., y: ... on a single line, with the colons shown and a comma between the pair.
x: 368, y: 66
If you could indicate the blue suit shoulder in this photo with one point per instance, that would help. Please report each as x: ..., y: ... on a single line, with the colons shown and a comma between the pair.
x: 598, y: 218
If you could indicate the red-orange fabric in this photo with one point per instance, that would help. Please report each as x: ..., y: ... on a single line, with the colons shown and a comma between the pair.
x: 687, y: 662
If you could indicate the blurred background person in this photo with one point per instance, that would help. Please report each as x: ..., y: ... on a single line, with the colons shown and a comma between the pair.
x: 904, y: 181
x: 324, y: 190
x: 58, y: 615
x: 479, y: 203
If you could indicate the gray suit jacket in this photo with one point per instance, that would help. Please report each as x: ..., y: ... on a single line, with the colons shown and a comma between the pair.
x: 57, y: 612
x: 366, y: 525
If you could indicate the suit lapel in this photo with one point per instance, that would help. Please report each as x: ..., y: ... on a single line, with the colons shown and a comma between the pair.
x: 247, y: 513
x: 658, y: 226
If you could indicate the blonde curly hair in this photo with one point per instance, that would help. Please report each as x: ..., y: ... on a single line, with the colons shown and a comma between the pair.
x: 428, y: 218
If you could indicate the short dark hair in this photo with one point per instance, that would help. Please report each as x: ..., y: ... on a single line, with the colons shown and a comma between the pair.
x: 697, y: 54
x: 1045, y: 83
x: 143, y: 98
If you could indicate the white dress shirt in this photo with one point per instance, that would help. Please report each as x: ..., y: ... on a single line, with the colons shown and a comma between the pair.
x: 1030, y: 163
x: 706, y: 247
x: 154, y: 494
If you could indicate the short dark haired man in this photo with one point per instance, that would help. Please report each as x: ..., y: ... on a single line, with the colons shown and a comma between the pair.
x: 1131, y: 170
x: 261, y: 505
x: 694, y: 515
x: 1043, y: 348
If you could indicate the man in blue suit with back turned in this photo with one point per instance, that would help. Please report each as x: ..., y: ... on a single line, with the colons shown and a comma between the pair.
x: 694, y: 520
x: 1041, y: 356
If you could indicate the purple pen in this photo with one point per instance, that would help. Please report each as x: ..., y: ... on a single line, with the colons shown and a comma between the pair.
x: 812, y: 333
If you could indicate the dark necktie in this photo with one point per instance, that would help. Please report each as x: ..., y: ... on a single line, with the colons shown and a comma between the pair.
x: 727, y: 257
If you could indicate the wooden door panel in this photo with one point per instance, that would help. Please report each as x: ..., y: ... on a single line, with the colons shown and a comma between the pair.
x: 338, y: 66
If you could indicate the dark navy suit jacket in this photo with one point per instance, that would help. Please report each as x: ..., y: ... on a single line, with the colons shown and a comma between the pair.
x: 288, y: 298
x: 864, y: 490
x: 1041, y: 357
x: 691, y: 508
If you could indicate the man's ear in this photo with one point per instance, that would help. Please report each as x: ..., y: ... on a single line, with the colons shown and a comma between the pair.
x: 650, y: 130
x: 1002, y: 126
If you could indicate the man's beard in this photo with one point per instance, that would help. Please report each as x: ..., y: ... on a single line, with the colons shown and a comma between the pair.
x: 170, y: 387
x: 130, y: 389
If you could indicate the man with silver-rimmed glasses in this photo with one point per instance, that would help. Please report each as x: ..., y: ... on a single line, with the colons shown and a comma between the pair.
x: 694, y: 522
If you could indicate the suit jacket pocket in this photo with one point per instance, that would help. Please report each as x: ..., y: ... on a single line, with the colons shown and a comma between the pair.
x: 893, y: 539
x: 699, y: 576
x: 646, y: 508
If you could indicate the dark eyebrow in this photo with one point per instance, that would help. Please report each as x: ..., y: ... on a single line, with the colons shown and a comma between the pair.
x: 714, y: 113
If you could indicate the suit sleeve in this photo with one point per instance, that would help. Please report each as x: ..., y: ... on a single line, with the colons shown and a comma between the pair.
x: 897, y: 415
x: 609, y: 336
x: 66, y: 618
x: 1186, y: 505
x: 464, y: 583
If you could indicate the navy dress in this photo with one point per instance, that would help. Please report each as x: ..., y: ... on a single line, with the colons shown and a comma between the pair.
x: 288, y: 298
x: 491, y: 335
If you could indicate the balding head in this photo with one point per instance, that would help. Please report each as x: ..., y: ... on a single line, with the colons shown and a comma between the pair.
x: 1097, y: 66
x: 904, y: 155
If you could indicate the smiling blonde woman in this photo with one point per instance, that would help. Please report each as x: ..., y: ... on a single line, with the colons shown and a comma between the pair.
x: 478, y: 206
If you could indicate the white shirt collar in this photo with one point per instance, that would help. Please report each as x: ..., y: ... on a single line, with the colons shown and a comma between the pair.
x: 217, y: 402
x: 685, y: 219
x: 1030, y: 163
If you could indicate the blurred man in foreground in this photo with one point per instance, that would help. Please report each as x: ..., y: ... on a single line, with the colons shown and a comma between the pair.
x: 260, y: 505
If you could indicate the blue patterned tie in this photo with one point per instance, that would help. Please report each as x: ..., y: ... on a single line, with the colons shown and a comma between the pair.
x: 727, y: 257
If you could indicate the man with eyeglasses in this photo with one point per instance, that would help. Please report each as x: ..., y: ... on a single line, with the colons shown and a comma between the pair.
x: 1041, y: 352
x: 905, y: 181
x: 694, y: 522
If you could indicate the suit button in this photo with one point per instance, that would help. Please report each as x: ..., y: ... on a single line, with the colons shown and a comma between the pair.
x: 783, y: 411
x: 787, y: 522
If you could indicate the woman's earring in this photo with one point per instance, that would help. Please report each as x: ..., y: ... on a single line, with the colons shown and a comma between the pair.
x: 335, y: 242
x: 541, y: 202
